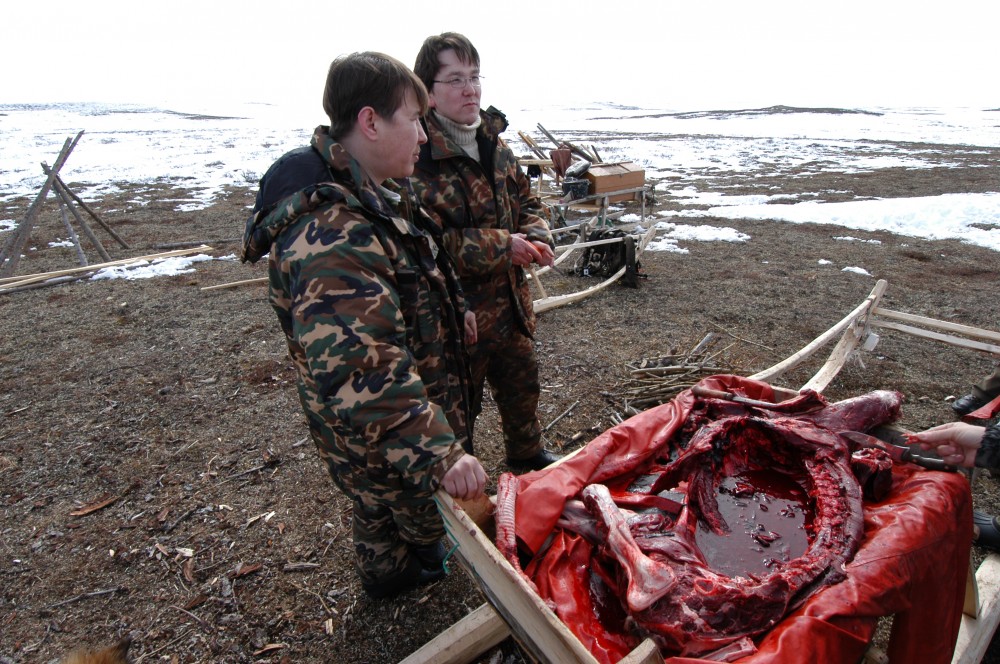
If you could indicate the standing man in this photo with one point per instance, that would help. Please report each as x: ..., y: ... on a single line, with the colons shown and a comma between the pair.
x: 371, y: 312
x: 470, y: 182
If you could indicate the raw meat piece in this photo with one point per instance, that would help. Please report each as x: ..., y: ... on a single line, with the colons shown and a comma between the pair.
x: 648, y: 505
x: 873, y: 468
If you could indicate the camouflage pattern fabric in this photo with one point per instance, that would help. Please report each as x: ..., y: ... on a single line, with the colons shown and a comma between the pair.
x: 988, y: 454
x: 371, y: 311
x: 989, y: 388
x: 512, y: 372
x: 478, y: 206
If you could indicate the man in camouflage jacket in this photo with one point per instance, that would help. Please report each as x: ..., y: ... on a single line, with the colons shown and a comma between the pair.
x: 372, y: 315
x: 470, y: 182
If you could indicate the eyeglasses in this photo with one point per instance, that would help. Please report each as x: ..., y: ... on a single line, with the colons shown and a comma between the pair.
x: 459, y: 83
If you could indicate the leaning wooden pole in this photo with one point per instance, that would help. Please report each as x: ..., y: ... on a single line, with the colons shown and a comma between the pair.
x: 86, y: 208
x: 74, y: 238
x: 87, y: 230
x: 11, y: 254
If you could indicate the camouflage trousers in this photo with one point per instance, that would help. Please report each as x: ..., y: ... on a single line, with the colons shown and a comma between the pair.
x: 386, y: 521
x: 989, y: 388
x: 511, y: 369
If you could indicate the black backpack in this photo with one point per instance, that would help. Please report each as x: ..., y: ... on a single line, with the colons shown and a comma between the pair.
x: 605, y: 260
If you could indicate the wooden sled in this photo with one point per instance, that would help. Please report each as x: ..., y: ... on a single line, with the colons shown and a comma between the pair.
x: 635, y: 245
x: 513, y: 609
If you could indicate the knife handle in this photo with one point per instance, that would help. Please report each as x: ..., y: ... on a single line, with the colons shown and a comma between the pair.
x: 931, y: 463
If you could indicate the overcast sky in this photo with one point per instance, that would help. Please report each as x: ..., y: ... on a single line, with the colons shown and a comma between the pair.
x: 681, y: 55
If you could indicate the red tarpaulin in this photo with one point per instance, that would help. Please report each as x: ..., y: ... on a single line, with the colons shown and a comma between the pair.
x: 912, y: 563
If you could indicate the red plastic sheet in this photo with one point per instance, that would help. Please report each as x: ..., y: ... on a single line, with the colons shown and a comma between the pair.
x: 913, y: 562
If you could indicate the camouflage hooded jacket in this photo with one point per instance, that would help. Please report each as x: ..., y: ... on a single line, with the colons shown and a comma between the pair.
x: 371, y: 312
x: 479, y: 206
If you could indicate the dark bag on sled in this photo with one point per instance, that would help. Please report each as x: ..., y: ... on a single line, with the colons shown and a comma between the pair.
x: 605, y: 260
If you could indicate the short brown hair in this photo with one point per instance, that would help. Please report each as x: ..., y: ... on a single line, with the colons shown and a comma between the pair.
x: 427, y: 64
x: 367, y: 79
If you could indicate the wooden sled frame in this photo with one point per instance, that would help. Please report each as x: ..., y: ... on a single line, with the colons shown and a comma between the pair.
x: 513, y: 608
x: 638, y: 245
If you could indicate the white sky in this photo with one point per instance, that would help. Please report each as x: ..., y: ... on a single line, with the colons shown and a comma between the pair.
x: 678, y: 54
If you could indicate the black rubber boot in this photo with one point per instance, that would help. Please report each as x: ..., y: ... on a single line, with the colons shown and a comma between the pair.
x: 965, y: 405
x: 431, y: 556
x: 989, y: 530
x: 412, y: 576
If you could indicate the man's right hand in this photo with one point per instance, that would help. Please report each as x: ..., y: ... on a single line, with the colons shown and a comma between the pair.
x: 955, y: 442
x: 466, y: 479
x: 523, y: 252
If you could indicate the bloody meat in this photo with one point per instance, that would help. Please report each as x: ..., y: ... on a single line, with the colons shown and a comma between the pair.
x: 742, y: 516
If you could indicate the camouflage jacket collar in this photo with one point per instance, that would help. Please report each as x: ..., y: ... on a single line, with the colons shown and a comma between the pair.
x: 350, y: 187
x: 381, y: 199
x: 441, y: 146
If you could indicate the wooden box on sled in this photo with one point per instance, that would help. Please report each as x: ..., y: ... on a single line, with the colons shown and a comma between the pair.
x: 615, y: 177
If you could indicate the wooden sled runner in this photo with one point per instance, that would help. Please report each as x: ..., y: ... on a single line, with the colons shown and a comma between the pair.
x: 513, y: 609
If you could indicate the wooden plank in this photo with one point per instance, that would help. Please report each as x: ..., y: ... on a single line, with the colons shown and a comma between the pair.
x: 630, y: 193
x: 971, y: 605
x: 233, y: 284
x: 533, y: 273
x: 767, y: 375
x: 964, y: 330
x: 848, y: 342
x: 590, y: 243
x: 9, y: 283
x: 974, y: 635
x: 569, y: 298
x: 645, y: 653
x: 945, y: 338
x: 532, y: 623
x: 464, y: 641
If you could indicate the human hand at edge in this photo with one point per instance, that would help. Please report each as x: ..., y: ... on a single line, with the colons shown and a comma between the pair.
x: 547, y: 256
x: 523, y: 252
x: 466, y: 479
x: 471, y: 329
x: 955, y: 442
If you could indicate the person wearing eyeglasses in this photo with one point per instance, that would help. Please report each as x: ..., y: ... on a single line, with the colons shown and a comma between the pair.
x: 494, y: 227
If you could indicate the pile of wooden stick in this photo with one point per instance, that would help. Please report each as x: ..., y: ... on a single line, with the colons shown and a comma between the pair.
x: 655, y: 381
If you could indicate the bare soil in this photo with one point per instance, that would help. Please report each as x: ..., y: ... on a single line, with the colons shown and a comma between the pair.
x: 223, y: 539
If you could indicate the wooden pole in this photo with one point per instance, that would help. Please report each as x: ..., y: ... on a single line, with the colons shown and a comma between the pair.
x: 82, y: 257
x: 534, y: 277
x: 111, y: 232
x: 11, y: 254
x: 87, y: 230
x: 9, y: 283
x: 234, y: 284
x: 577, y: 150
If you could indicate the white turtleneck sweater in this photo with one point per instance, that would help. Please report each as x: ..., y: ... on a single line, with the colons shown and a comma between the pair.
x: 464, y: 135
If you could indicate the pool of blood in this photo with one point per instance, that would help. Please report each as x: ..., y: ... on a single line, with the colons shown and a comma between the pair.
x: 769, y: 519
